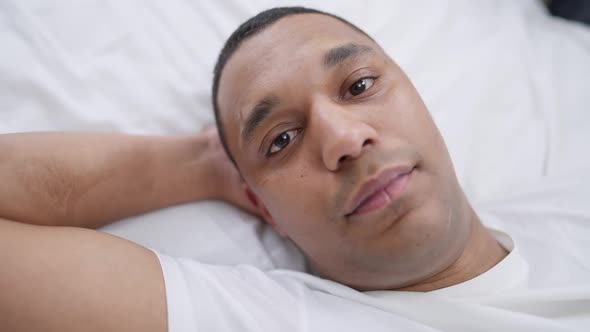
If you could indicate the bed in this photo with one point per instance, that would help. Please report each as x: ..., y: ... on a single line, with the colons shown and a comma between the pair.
x: 507, y: 84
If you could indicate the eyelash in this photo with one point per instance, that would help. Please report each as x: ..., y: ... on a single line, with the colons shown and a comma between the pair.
x: 296, y: 132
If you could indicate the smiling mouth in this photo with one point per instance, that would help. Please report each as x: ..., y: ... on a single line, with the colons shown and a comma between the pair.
x: 378, y: 193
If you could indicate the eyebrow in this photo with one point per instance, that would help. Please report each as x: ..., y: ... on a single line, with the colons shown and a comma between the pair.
x: 341, y: 53
x: 261, y: 111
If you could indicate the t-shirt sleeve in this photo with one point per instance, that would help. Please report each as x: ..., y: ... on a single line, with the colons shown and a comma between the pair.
x: 203, y: 297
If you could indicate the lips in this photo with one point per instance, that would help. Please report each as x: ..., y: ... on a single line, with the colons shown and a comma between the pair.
x: 378, y: 192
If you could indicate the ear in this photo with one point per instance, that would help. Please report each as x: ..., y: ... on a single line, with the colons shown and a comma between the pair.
x: 262, y: 210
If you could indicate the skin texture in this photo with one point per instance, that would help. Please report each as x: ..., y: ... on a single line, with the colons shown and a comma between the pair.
x: 91, y: 179
x: 337, y: 142
x: 56, y: 274
x: 75, y: 279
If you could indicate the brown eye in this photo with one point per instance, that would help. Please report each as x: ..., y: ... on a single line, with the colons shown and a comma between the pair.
x: 281, y: 141
x: 359, y: 87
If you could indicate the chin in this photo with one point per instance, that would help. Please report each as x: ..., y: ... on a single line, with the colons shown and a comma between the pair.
x: 425, y: 245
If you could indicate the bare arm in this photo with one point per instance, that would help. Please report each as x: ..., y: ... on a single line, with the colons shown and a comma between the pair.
x: 91, y: 179
x: 73, y: 279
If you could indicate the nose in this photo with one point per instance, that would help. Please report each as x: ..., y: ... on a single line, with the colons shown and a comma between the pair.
x: 343, y: 136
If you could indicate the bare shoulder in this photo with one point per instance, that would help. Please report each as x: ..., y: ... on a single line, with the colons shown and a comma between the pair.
x: 74, y: 279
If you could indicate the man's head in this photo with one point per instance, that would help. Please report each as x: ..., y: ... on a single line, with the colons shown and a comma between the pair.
x: 339, y: 150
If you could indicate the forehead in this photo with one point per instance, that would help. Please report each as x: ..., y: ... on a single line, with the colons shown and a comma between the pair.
x: 273, y: 57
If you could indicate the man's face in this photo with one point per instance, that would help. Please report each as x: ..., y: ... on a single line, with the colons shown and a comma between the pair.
x: 342, y: 153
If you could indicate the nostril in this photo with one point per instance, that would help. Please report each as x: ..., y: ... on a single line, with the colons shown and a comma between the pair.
x: 356, y: 153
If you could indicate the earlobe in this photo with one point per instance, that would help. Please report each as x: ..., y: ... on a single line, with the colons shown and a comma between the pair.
x: 263, y: 211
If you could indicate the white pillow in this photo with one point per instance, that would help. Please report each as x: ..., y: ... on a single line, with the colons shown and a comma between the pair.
x: 211, y: 232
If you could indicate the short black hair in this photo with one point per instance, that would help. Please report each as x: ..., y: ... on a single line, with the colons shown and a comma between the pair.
x: 248, y: 29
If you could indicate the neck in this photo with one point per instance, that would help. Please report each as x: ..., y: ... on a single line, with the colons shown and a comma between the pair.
x: 481, y: 253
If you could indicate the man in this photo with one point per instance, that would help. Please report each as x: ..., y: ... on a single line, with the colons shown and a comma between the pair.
x: 339, y: 154
x: 376, y: 204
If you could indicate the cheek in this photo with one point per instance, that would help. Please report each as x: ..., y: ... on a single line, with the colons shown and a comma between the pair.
x: 293, y: 200
x: 410, y: 120
x: 399, y: 111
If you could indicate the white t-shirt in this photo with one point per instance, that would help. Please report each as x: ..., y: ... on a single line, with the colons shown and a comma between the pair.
x: 542, y: 285
x: 508, y: 297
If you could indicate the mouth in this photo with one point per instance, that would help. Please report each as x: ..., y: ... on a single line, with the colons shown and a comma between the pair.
x: 381, y: 191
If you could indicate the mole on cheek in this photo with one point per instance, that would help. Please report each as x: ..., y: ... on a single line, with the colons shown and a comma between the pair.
x: 302, y: 174
x: 303, y: 171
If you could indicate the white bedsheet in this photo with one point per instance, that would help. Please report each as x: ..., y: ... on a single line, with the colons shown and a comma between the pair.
x: 506, y: 83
